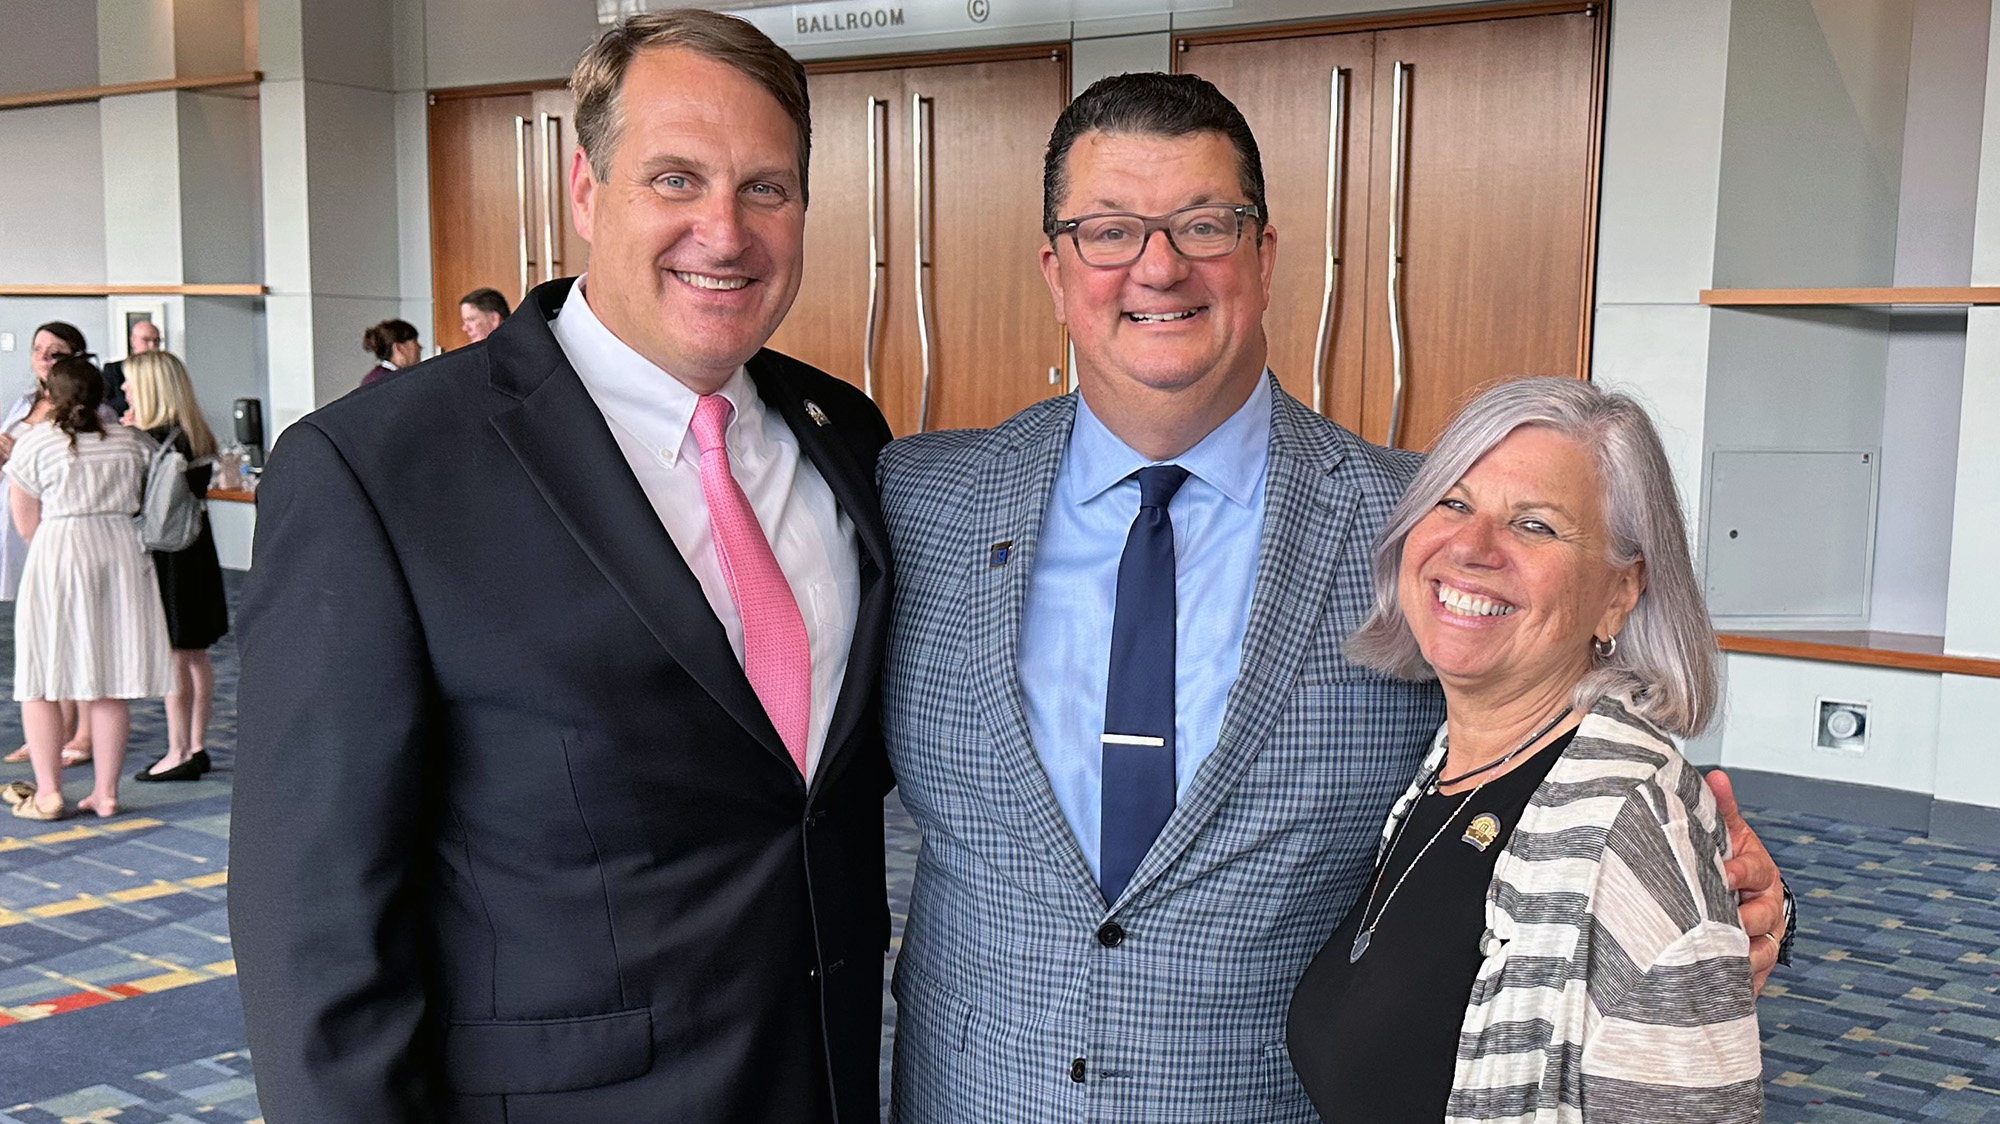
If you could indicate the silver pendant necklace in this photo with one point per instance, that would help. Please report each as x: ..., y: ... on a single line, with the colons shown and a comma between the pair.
x: 1367, y: 932
x: 1431, y: 786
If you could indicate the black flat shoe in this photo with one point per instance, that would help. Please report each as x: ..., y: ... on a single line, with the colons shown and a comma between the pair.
x: 189, y: 770
x: 200, y: 760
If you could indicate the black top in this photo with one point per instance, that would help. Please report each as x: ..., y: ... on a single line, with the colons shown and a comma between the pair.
x: 1374, y: 1040
x: 191, y: 578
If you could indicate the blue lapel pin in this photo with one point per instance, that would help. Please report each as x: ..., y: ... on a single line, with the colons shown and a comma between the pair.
x: 998, y: 554
x: 815, y: 413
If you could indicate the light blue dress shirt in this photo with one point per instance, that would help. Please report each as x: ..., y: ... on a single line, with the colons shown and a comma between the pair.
x: 1065, y: 657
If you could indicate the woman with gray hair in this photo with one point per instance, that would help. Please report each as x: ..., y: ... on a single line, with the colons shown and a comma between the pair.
x: 1548, y: 935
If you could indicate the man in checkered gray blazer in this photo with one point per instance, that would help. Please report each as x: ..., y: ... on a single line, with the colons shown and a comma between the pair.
x: 1035, y: 982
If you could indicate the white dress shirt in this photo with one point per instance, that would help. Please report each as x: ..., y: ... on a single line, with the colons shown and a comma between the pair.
x: 650, y: 412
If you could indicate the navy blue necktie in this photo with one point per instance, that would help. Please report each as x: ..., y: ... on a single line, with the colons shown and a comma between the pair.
x: 1138, y: 786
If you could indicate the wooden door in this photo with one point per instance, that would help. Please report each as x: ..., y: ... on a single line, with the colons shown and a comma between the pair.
x: 1288, y: 90
x: 558, y: 249
x: 828, y: 324
x: 1498, y: 210
x: 499, y: 197
x: 477, y: 201
x: 995, y: 343
x: 992, y: 332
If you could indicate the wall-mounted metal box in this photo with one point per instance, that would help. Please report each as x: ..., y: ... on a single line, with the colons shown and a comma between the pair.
x: 1789, y: 537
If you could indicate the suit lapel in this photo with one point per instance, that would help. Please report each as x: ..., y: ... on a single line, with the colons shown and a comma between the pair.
x: 1307, y: 513
x: 853, y: 487
x: 1010, y: 510
x: 560, y: 437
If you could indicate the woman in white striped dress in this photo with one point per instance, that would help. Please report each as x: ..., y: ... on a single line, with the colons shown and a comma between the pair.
x: 1548, y: 936
x: 88, y: 624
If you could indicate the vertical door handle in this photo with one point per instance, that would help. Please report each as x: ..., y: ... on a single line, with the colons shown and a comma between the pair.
x: 1336, y: 161
x: 920, y: 109
x: 551, y: 194
x: 878, y: 123
x: 1399, y: 143
x: 521, y: 202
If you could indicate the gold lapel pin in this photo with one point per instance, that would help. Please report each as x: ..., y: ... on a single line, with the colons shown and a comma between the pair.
x: 1482, y: 831
x: 815, y: 413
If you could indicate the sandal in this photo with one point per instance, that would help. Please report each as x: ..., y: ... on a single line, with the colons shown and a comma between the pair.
x: 71, y: 758
x: 31, y: 809
x: 17, y: 792
x: 16, y: 757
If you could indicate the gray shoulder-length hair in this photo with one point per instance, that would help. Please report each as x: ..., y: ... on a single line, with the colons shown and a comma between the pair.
x: 1666, y: 659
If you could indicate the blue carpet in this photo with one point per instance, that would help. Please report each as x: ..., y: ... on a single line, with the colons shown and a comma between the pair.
x: 118, y: 999
x: 120, y: 1044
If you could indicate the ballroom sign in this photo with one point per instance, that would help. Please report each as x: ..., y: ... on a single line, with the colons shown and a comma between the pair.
x: 837, y: 21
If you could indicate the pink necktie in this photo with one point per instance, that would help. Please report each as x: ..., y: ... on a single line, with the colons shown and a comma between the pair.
x: 776, y: 655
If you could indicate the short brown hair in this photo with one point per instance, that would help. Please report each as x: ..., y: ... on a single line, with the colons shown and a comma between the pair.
x: 599, y: 77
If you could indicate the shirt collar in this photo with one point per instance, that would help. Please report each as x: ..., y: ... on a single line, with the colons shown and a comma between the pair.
x: 632, y: 391
x: 1230, y: 459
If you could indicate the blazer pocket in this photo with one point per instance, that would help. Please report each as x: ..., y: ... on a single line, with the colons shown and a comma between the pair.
x: 927, y: 1000
x: 494, y: 1056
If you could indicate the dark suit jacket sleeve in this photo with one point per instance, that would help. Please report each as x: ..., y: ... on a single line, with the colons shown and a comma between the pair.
x: 330, y: 784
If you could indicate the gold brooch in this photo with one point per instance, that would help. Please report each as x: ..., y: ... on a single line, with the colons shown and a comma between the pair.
x: 1483, y: 830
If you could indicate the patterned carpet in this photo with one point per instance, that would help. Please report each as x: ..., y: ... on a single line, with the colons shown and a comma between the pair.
x: 118, y: 1002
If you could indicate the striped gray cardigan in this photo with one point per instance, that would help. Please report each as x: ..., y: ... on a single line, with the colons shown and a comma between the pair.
x: 1616, y: 979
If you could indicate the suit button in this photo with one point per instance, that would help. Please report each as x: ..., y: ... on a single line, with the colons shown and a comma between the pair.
x: 1110, y: 934
x: 1076, y: 1070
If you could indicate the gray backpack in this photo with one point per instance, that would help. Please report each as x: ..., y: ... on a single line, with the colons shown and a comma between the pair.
x: 169, y: 516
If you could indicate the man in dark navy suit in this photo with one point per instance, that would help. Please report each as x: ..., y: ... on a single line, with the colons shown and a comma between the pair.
x: 559, y: 794
x: 144, y: 335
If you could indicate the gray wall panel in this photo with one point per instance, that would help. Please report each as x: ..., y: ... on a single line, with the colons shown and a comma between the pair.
x: 1809, y: 170
x: 47, y: 45
x: 51, y: 196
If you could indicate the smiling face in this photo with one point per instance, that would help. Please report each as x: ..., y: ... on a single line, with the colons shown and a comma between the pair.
x: 1163, y: 332
x: 43, y: 351
x: 1507, y: 580
x: 697, y: 232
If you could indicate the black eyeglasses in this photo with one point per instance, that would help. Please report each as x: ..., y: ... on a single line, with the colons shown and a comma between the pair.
x: 1114, y: 238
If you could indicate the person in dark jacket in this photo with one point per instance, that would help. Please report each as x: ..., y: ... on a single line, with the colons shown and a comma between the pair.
x: 559, y: 774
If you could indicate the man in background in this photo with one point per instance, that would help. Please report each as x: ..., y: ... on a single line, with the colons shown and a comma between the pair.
x: 559, y: 789
x: 480, y: 311
x: 144, y: 336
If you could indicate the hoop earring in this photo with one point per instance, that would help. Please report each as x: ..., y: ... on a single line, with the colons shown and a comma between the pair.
x: 1604, y: 649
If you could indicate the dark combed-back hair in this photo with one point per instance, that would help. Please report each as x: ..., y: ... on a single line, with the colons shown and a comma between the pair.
x: 487, y: 300
x: 76, y: 390
x: 380, y: 338
x: 599, y: 79
x: 1150, y: 104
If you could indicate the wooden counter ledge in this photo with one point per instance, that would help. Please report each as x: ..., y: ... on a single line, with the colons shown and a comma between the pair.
x: 1909, y: 651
